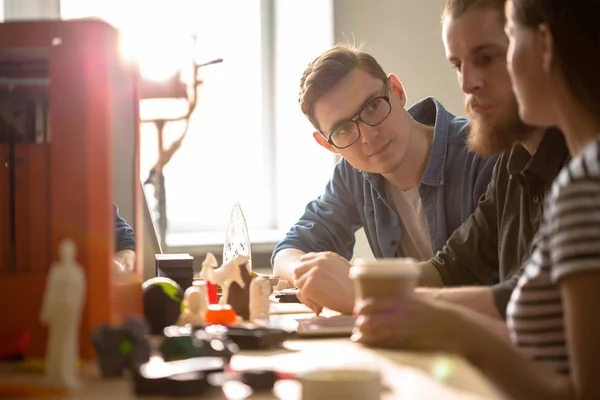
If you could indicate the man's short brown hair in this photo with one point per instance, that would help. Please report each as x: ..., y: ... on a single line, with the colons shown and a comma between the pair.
x: 456, y: 8
x: 328, y: 69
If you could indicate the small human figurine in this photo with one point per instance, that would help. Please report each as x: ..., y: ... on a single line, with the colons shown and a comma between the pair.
x: 62, y: 307
x: 260, y: 290
x: 203, y: 288
x: 196, y: 302
x: 225, y: 275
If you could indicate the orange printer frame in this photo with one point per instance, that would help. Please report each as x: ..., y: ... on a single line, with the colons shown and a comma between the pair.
x: 65, y: 184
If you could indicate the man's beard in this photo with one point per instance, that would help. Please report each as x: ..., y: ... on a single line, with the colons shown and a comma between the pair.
x: 493, y: 135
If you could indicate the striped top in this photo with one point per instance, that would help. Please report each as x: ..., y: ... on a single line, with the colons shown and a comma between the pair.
x: 567, y: 243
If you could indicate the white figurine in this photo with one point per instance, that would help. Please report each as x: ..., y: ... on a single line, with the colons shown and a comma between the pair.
x: 196, y: 303
x: 62, y: 307
x: 260, y: 290
x: 224, y: 275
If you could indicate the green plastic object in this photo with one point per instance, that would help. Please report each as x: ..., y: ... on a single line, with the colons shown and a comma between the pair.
x: 126, y: 347
x: 179, y: 348
x: 183, y: 342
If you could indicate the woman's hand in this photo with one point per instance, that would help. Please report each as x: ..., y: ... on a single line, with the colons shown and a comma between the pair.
x: 414, y: 323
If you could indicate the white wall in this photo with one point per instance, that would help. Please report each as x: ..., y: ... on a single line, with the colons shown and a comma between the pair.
x: 405, y: 37
x: 30, y: 9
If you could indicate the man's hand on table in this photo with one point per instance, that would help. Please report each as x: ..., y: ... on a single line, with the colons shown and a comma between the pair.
x: 322, y: 281
x: 124, y: 261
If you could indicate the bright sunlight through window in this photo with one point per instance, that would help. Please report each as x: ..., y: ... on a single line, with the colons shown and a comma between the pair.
x: 247, y: 141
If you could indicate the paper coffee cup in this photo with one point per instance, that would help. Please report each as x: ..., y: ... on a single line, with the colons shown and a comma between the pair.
x: 347, y: 384
x: 386, y: 277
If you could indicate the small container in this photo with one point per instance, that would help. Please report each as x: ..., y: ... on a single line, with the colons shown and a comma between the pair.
x: 220, y: 314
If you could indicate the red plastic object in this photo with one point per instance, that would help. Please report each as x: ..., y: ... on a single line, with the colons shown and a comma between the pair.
x: 14, y: 344
x: 211, y: 290
x: 212, y: 293
x: 220, y: 314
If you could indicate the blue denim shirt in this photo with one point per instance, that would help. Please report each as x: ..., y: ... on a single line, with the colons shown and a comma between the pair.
x: 450, y: 189
x: 124, y: 235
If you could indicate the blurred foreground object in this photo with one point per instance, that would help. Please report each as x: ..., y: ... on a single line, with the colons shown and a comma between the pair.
x: 66, y: 94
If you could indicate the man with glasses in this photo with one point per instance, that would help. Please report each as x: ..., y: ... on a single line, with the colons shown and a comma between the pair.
x: 405, y: 176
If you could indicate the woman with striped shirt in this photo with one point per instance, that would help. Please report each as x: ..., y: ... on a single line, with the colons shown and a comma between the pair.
x: 554, y: 326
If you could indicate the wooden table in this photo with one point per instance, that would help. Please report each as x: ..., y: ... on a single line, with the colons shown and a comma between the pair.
x: 406, y: 375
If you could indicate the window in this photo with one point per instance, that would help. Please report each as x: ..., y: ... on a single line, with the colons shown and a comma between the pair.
x: 247, y: 142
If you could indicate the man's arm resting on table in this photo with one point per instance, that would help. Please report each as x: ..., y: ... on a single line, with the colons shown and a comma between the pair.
x: 478, y: 299
x: 284, y: 264
x: 429, y: 275
x: 490, y: 301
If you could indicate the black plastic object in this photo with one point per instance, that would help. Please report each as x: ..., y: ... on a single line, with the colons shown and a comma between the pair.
x: 120, y: 348
x: 259, y: 380
x: 287, y: 298
x: 251, y: 338
x: 181, y: 342
x: 176, y: 378
x: 179, y: 267
x: 163, y: 302
x: 190, y: 384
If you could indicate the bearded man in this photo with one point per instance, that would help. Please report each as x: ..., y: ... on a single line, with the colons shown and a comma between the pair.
x: 481, y: 261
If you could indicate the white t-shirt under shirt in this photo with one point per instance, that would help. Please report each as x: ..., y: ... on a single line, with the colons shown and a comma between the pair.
x: 415, y: 239
x: 567, y: 243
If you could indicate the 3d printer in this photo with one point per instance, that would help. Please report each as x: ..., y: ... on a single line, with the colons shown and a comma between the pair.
x: 65, y: 95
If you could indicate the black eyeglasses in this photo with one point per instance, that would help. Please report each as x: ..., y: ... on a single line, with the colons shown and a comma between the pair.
x: 373, y: 113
